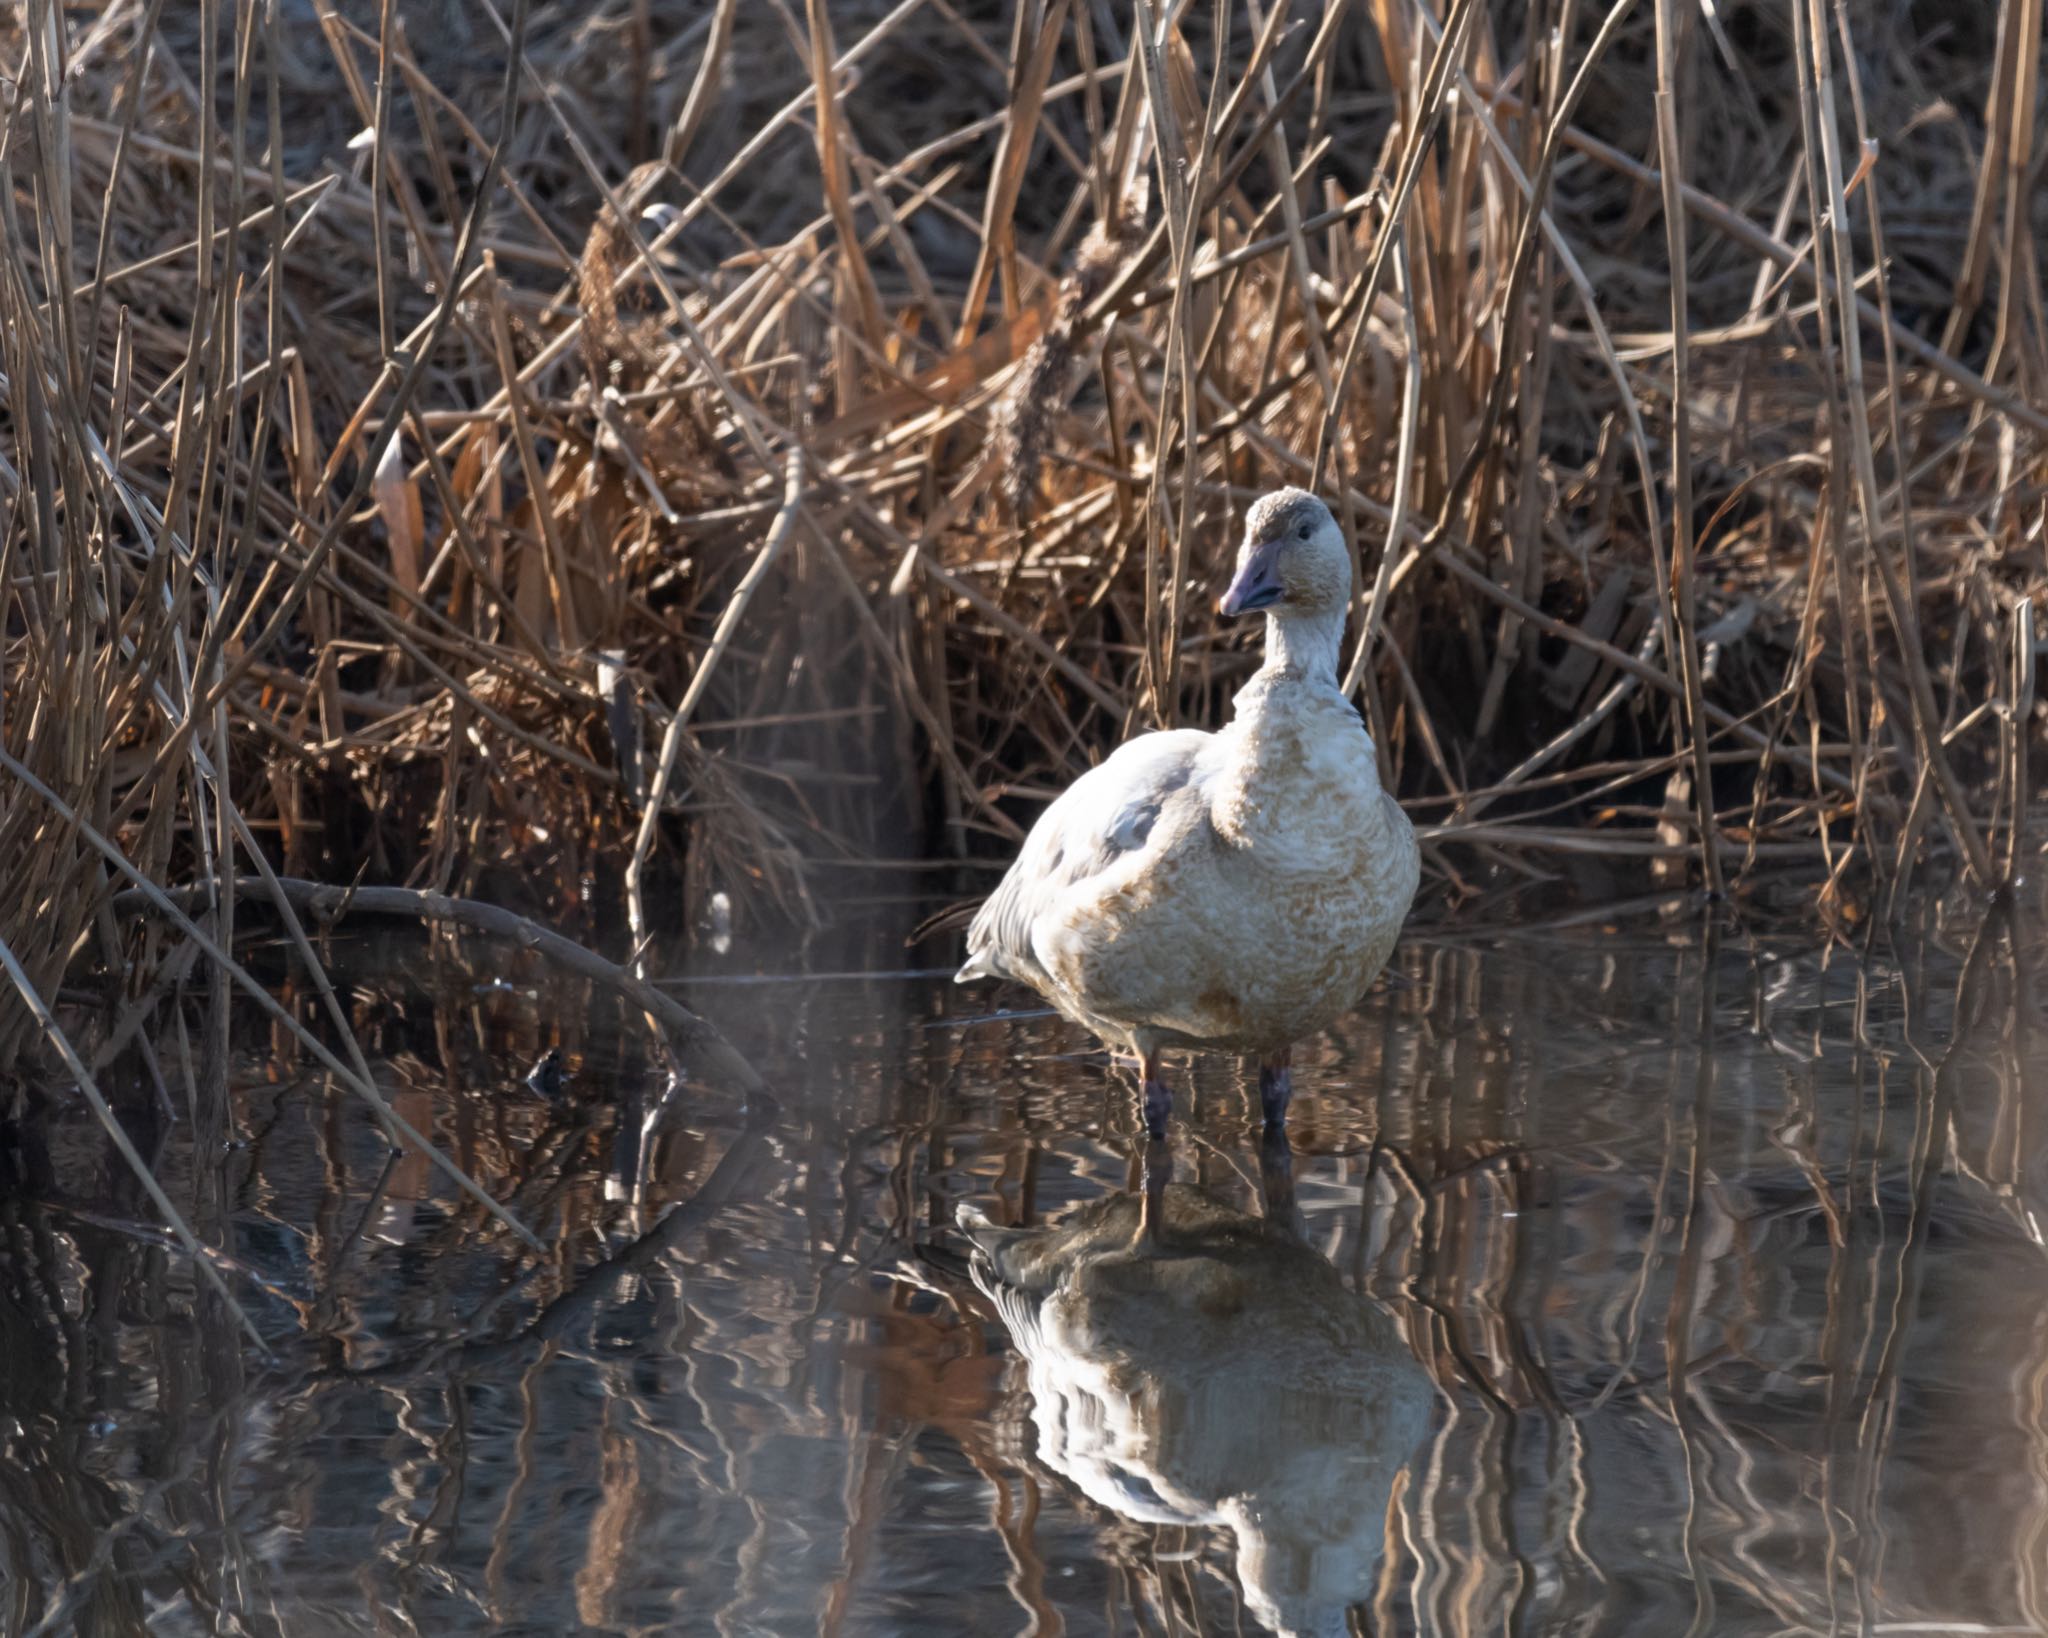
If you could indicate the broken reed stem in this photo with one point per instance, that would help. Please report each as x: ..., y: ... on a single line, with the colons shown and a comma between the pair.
x: 679, y: 724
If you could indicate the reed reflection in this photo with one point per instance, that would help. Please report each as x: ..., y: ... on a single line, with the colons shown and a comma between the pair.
x: 1192, y: 1364
x: 1725, y: 1259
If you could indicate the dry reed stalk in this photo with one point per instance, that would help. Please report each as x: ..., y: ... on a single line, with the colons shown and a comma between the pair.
x: 1678, y: 592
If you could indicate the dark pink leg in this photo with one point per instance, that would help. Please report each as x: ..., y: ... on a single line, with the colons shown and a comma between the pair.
x: 1276, y: 1180
x: 1158, y: 1173
x: 1158, y: 1097
x: 1276, y: 1086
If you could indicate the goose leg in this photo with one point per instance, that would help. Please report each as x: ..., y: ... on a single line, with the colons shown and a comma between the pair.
x: 1276, y: 1181
x: 1276, y: 1086
x: 1158, y: 1096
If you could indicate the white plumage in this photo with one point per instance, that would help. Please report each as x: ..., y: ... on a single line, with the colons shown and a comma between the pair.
x: 1235, y: 890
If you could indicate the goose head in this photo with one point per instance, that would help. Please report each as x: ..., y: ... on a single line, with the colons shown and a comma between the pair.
x: 1294, y: 561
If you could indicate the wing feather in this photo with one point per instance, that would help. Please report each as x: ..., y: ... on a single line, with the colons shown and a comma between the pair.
x: 1104, y: 815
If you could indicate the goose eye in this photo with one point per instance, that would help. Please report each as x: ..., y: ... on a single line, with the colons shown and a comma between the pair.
x: 1302, y: 533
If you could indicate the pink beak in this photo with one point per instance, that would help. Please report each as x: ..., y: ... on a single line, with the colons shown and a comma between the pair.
x: 1257, y: 586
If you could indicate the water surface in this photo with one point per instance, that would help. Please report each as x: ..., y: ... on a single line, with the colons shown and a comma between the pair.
x: 1621, y: 1277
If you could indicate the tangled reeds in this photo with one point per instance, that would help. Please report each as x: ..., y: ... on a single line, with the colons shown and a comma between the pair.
x: 417, y: 412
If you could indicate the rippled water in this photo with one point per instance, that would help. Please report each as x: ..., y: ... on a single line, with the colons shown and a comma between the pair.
x: 1627, y: 1280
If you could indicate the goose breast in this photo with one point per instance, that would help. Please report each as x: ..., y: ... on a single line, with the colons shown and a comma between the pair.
x: 1231, y: 890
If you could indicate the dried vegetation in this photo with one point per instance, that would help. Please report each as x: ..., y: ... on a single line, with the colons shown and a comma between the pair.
x: 477, y: 445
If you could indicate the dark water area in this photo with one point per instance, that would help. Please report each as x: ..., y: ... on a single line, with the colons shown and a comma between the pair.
x: 1620, y: 1276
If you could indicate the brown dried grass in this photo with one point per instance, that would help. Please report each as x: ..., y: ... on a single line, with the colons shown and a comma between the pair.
x: 373, y: 506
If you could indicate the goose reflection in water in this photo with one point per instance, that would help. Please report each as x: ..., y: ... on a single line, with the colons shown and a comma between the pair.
x: 1191, y: 1364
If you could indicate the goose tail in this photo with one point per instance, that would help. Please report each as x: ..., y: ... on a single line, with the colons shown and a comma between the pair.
x: 976, y: 966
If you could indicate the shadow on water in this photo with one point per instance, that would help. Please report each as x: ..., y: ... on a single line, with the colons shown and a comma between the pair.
x: 1619, y: 1279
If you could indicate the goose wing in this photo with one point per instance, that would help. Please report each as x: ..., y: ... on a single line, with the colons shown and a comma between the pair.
x: 1105, y: 815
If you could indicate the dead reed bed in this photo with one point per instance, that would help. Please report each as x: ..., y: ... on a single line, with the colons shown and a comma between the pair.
x: 659, y: 453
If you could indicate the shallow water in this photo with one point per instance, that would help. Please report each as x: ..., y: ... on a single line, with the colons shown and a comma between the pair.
x: 1627, y: 1280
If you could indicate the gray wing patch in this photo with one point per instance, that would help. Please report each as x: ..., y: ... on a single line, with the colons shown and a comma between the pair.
x: 1109, y: 812
x: 1132, y: 826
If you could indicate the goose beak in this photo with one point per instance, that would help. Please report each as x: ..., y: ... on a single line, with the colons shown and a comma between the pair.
x: 1257, y: 586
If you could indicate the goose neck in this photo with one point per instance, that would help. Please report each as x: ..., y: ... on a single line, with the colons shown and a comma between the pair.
x: 1304, y: 644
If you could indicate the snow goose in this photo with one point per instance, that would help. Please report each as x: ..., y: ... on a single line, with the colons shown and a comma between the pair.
x: 1235, y: 890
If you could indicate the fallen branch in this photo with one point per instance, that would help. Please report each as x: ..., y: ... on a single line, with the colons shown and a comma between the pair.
x: 696, y: 1039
